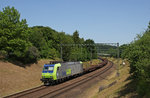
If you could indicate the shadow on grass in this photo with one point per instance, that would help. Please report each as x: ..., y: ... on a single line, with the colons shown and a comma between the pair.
x: 23, y: 64
x: 129, y: 89
x: 20, y: 64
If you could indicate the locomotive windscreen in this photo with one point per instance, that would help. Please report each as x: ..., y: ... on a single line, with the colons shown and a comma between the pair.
x: 48, y: 68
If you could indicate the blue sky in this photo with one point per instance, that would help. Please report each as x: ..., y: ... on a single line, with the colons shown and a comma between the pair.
x: 104, y: 21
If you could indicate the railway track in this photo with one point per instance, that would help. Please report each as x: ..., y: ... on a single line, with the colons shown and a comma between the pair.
x: 22, y: 93
x: 56, y: 90
x: 59, y: 91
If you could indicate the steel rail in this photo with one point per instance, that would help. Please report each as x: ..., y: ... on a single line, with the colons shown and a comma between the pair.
x: 57, y: 91
x: 60, y: 91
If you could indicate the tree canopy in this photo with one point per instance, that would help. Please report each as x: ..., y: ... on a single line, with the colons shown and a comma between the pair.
x: 14, y: 34
x: 28, y: 44
x: 138, y: 54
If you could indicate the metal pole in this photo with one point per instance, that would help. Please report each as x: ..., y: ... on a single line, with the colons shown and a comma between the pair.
x: 81, y: 52
x: 98, y: 50
x: 61, y: 52
x: 91, y: 53
x: 118, y: 74
x: 117, y: 50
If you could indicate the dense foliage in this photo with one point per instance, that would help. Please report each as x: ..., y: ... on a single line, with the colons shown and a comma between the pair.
x: 108, y: 50
x: 138, y: 54
x: 14, y: 39
x: 18, y: 42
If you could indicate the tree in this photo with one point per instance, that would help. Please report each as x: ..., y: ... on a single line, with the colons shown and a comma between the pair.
x: 32, y: 54
x: 138, y: 54
x: 91, y: 49
x: 122, y: 50
x: 76, y: 38
x: 46, y: 41
x: 14, y: 39
x: 66, y: 39
x: 27, y: 44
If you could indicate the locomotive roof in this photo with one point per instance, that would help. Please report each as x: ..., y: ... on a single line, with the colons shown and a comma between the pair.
x: 62, y: 63
x: 52, y: 65
x: 71, y: 63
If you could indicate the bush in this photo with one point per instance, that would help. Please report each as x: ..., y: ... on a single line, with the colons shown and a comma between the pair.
x: 138, y: 54
x: 32, y: 54
x: 3, y: 54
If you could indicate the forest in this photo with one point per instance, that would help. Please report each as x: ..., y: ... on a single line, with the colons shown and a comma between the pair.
x: 19, y: 42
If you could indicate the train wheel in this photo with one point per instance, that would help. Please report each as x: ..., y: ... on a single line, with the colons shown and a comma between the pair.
x: 46, y: 83
x: 53, y: 82
x: 57, y: 81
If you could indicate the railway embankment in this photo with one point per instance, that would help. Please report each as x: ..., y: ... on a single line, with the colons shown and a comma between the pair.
x: 14, y: 78
x: 113, y: 86
x: 68, y: 88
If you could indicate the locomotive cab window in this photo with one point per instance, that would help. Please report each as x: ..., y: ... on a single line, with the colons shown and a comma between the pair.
x: 48, y: 68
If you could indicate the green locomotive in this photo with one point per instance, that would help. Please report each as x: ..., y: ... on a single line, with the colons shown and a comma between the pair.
x: 53, y: 73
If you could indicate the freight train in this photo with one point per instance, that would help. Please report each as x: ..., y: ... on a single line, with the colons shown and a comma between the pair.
x: 55, y: 72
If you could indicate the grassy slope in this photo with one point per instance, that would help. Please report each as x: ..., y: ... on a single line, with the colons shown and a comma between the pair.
x: 14, y: 78
x: 123, y: 88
